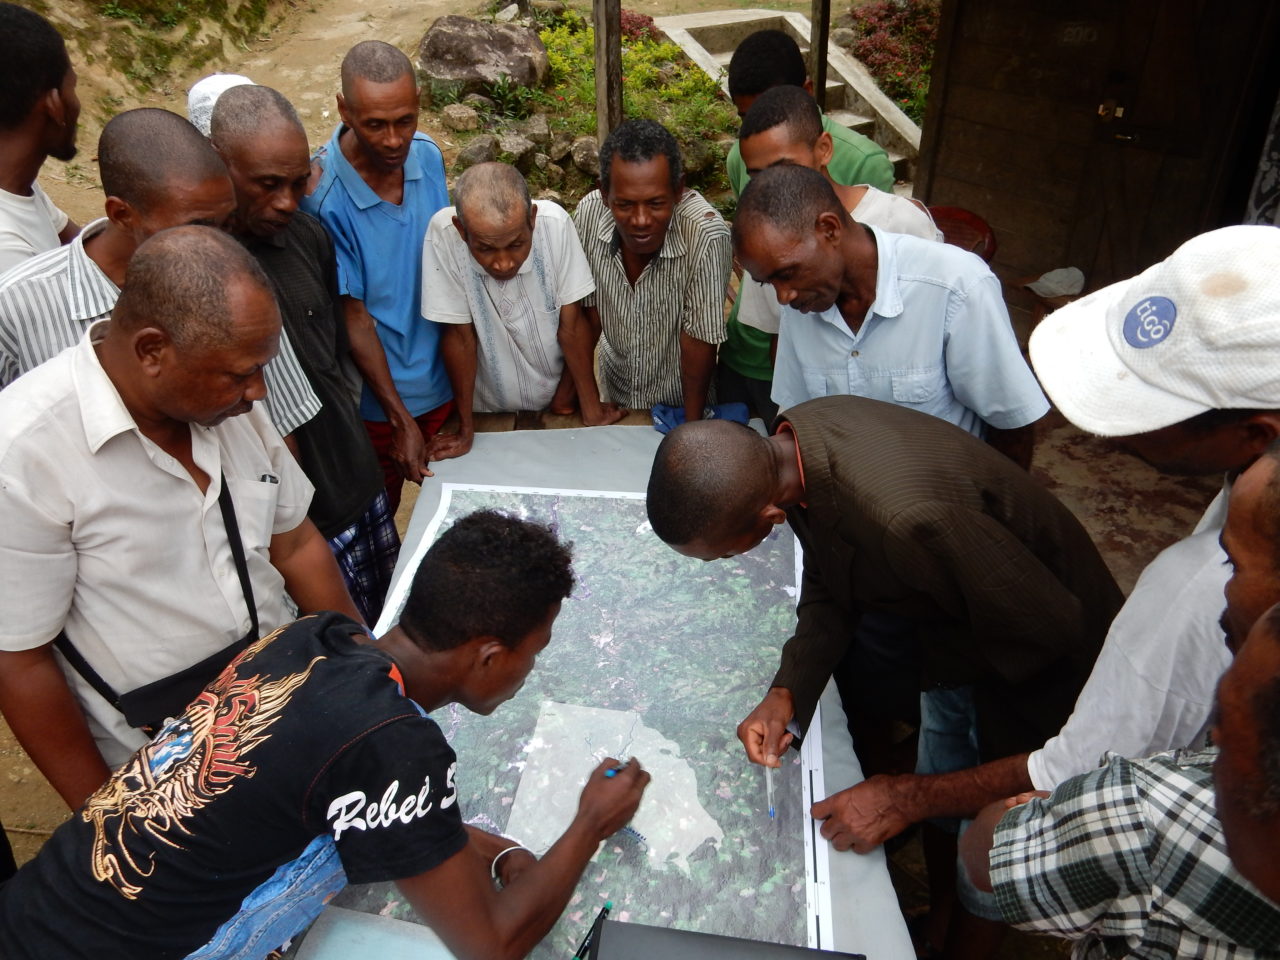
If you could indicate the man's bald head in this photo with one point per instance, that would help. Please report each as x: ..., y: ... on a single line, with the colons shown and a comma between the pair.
x: 491, y: 193
x: 710, y: 481
x: 180, y: 281
x: 141, y: 152
x: 376, y: 62
x: 788, y: 198
x: 247, y: 112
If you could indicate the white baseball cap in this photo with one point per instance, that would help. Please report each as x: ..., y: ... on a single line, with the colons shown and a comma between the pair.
x: 1198, y: 331
x: 205, y: 93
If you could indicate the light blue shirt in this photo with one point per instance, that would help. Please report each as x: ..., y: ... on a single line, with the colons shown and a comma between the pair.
x: 379, y: 254
x: 937, y: 339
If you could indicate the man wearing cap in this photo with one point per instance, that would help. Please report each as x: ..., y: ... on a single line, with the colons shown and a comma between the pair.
x: 1179, y: 363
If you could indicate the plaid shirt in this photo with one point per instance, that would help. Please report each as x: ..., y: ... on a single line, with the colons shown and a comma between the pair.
x: 1130, y: 860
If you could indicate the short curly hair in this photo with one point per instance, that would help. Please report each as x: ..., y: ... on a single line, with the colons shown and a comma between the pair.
x: 489, y: 575
x: 33, y: 61
x: 636, y: 141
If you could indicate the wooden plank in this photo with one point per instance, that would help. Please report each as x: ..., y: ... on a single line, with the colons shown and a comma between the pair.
x: 820, y: 29
x: 606, y: 17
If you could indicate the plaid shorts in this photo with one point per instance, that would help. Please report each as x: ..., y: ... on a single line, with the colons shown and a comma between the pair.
x: 366, y: 553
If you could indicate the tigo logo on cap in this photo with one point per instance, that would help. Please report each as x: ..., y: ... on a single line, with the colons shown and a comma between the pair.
x: 1150, y: 322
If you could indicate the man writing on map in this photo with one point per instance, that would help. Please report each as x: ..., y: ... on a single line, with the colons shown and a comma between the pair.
x: 309, y: 762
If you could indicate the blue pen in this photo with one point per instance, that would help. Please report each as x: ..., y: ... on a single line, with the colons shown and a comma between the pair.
x: 614, y: 771
x: 768, y: 787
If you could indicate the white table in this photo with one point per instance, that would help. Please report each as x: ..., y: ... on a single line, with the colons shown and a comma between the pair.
x: 866, y: 915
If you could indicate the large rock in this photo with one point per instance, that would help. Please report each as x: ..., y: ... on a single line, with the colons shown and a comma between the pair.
x: 518, y: 148
x: 843, y: 37
x: 466, y: 56
x: 586, y: 155
x: 561, y: 144
x: 460, y: 117
x: 483, y: 149
x: 537, y: 129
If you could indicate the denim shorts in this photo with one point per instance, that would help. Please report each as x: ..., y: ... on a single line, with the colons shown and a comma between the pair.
x: 281, y: 908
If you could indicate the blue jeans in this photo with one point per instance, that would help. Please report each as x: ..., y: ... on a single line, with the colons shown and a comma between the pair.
x: 281, y: 908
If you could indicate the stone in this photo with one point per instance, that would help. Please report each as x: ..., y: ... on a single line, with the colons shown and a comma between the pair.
x: 561, y: 144
x: 586, y: 155
x: 553, y: 7
x: 698, y: 156
x: 519, y: 148
x: 537, y: 129
x: 482, y: 149
x: 507, y: 14
x: 843, y: 37
x: 460, y: 117
x: 478, y: 101
x: 552, y: 195
x: 467, y: 56
x: 552, y: 173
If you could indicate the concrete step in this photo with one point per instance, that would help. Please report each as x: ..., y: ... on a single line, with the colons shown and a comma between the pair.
x: 854, y: 121
x: 901, y: 166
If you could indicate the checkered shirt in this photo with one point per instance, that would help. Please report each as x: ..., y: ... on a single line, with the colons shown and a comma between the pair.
x: 1130, y: 861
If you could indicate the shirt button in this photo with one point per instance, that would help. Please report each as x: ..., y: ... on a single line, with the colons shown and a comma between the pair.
x: 853, y: 353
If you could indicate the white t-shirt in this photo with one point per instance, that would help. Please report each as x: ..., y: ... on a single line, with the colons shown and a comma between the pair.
x: 28, y: 225
x: 1153, y: 684
x: 516, y: 320
x: 759, y: 305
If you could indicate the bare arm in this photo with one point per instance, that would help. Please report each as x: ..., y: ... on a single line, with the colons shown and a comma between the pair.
x: 407, y: 446
x: 697, y: 364
x: 1017, y: 444
x: 476, y: 921
x: 69, y: 232
x: 310, y: 573
x: 458, y: 349
x: 867, y: 814
x: 976, y: 842
x: 45, y: 718
x: 578, y: 335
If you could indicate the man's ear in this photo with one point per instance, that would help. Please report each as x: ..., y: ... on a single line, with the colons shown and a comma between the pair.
x: 342, y: 109
x: 823, y: 149
x: 150, y: 344
x: 829, y: 227
x: 774, y: 514
x: 55, y: 107
x: 490, y: 652
x: 1260, y: 431
x: 533, y: 214
x: 807, y: 86
x: 462, y: 231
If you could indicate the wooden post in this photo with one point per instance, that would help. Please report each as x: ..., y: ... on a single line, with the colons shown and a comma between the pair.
x: 606, y: 17
x: 819, y: 31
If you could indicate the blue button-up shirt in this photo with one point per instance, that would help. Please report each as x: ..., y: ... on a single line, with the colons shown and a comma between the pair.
x: 378, y: 246
x: 937, y: 339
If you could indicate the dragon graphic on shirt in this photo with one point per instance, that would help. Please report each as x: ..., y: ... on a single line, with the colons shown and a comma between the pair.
x: 192, y: 760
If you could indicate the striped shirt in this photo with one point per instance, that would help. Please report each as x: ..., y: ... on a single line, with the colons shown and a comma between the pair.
x: 681, y: 290
x: 1130, y: 860
x: 48, y: 302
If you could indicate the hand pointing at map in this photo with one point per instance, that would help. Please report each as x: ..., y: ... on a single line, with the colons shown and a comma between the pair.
x: 609, y: 800
x: 764, y: 732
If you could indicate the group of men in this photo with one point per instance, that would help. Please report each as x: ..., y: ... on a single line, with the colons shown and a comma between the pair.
x: 164, y: 530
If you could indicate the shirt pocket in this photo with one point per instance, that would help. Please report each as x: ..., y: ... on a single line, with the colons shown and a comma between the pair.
x: 817, y: 384
x: 916, y: 386
x: 255, y: 503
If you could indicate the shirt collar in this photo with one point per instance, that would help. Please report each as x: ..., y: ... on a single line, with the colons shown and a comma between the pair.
x: 673, y: 244
x: 361, y: 193
x: 90, y: 292
x: 102, y: 411
x: 888, y: 301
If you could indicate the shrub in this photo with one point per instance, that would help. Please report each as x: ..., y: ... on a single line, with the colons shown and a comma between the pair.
x: 895, y: 39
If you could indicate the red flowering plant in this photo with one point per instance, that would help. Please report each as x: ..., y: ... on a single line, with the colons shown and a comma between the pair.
x: 895, y: 40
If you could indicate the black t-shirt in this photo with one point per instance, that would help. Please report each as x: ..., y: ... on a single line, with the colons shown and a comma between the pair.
x: 307, y: 733
x: 334, y: 447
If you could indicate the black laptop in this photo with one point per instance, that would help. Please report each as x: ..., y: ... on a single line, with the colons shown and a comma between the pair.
x: 614, y: 940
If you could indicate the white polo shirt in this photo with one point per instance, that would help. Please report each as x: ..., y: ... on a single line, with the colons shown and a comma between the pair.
x: 516, y: 320
x: 109, y: 537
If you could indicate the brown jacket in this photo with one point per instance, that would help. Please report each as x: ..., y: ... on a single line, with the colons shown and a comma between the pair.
x: 908, y: 515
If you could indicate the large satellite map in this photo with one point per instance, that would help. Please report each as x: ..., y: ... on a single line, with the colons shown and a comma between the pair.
x: 654, y: 656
